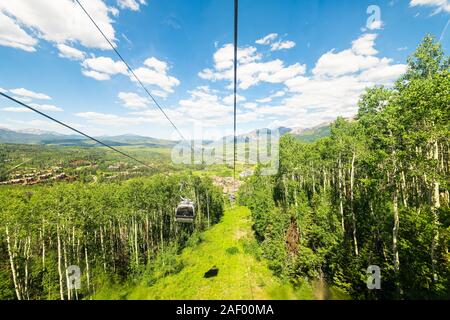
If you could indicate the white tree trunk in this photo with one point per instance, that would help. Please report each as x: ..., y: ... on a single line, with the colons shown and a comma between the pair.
x: 13, y: 267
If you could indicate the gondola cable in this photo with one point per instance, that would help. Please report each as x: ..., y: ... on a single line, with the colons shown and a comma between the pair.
x: 235, y: 89
x: 185, y: 211
x: 236, y: 7
x: 131, y: 71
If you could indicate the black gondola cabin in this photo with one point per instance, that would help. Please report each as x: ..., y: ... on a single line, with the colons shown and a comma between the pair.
x: 185, y: 211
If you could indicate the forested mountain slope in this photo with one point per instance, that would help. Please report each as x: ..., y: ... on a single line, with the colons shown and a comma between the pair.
x: 376, y: 192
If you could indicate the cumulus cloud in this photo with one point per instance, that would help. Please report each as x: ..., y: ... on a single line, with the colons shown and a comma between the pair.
x: 109, y: 119
x: 251, y: 70
x: 102, y: 68
x: 156, y: 64
x: 40, y: 107
x: 358, y: 58
x: 275, y: 45
x: 439, y: 5
x: 365, y: 45
x: 332, y: 87
x: 12, y: 35
x: 216, y: 113
x: 96, y: 75
x: 281, y: 45
x: 277, y: 94
x: 336, y: 84
x: 135, y: 118
x: 28, y: 96
x: 46, y: 107
x: 132, y: 100
x: 267, y: 39
x: 375, y: 25
x: 48, y: 20
x: 22, y: 92
x: 230, y: 99
x: 16, y: 109
x: 154, y: 72
x: 69, y: 52
x: 131, y: 4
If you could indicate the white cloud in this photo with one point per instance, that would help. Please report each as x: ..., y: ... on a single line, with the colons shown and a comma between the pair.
x: 46, y: 107
x: 12, y: 35
x: 40, y: 107
x: 154, y: 72
x: 376, y: 25
x: 205, y: 107
x: 268, y: 99
x: 156, y: 64
x: 47, y: 125
x: 138, y: 118
x: 336, y: 84
x: 60, y: 21
x: 66, y: 51
x: 131, y: 4
x: 224, y: 56
x: 331, y: 88
x: 365, y: 44
x: 102, y: 68
x: 30, y: 94
x: 109, y: 119
x: 340, y: 63
x: 281, y: 45
x: 250, y: 105
x: 209, y: 108
x: 384, y: 73
x: 23, y: 99
x: 229, y: 100
x: 440, y: 5
x: 96, y: 75
x: 267, y: 39
x: 275, y: 45
x: 16, y: 109
x: 358, y: 58
x: 3, y: 90
x: 159, y: 93
x: 133, y: 101
x: 251, y: 70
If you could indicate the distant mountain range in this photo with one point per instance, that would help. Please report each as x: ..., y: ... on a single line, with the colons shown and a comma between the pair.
x: 303, y: 134
x: 37, y: 136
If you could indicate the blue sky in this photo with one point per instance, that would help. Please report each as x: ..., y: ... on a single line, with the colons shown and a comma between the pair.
x: 302, y: 63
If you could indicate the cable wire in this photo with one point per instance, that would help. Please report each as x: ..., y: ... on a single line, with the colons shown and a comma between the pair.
x: 235, y: 85
x: 73, y: 129
x: 131, y: 71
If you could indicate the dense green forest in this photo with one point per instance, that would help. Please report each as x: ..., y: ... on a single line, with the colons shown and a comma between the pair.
x: 113, y: 231
x: 375, y: 192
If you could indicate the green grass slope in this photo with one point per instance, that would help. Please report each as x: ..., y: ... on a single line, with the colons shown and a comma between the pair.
x: 230, y: 247
x: 226, y: 246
